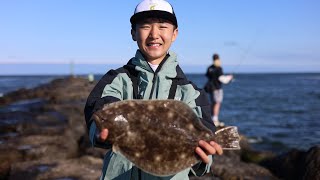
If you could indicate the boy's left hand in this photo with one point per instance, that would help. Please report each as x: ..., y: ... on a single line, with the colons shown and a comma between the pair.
x: 204, y: 149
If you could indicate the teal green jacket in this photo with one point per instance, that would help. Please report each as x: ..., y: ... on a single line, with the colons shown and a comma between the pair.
x: 116, y: 85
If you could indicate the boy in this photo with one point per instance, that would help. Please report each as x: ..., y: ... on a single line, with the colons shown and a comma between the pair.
x: 153, y: 73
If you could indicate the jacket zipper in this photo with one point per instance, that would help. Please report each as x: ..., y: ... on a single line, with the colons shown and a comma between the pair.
x: 155, y: 74
x: 153, y: 82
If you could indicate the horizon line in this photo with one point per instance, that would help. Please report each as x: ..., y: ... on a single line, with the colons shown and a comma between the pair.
x: 85, y: 74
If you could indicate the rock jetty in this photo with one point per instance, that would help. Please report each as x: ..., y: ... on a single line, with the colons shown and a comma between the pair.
x: 43, y: 136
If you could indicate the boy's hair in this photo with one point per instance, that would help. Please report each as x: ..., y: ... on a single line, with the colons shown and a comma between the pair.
x: 215, y: 57
x: 153, y: 9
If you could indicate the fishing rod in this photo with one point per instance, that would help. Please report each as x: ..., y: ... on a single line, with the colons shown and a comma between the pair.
x: 245, y: 51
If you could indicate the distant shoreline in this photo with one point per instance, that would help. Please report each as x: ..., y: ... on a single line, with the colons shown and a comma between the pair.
x: 66, y: 69
x: 100, y: 74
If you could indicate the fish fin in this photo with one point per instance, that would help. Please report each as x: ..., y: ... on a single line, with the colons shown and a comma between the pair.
x: 228, y: 138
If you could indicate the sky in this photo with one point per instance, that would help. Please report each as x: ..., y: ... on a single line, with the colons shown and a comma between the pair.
x: 45, y: 37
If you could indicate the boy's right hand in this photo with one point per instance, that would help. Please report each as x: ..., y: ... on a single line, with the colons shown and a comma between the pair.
x: 103, y: 135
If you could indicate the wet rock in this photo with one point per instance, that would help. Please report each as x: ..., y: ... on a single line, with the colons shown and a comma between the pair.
x: 83, y: 168
x: 296, y: 164
x: 44, y: 147
x: 7, y: 158
x: 57, y: 91
x: 231, y: 168
x: 312, y: 163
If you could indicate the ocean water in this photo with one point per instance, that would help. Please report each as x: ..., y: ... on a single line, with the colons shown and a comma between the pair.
x: 275, y: 111
x: 11, y: 83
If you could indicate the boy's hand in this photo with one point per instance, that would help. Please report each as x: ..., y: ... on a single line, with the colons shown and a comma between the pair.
x: 204, y: 149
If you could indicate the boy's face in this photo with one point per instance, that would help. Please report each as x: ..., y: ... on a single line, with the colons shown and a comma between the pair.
x: 154, y: 37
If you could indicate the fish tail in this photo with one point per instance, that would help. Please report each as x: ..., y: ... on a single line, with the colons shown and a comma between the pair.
x: 228, y: 138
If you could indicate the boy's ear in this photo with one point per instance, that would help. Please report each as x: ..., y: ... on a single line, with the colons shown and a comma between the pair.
x: 175, y: 34
x: 133, y: 35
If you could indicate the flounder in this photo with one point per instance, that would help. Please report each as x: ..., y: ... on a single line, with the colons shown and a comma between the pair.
x: 159, y: 136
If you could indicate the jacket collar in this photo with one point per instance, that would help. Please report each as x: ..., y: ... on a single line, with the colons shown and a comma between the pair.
x: 167, y: 67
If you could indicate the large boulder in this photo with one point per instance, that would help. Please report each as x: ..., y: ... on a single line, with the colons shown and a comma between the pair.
x: 296, y: 164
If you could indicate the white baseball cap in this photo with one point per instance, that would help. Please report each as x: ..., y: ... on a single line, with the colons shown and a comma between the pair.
x: 154, y: 8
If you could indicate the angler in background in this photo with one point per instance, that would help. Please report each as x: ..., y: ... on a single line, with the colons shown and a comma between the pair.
x: 214, y: 87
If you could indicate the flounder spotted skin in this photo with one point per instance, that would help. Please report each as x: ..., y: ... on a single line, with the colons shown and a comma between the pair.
x: 158, y: 136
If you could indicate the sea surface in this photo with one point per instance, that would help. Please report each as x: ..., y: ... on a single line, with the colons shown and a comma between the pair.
x: 275, y: 111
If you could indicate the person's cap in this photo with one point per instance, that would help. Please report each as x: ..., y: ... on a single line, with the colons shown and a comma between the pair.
x: 154, y: 8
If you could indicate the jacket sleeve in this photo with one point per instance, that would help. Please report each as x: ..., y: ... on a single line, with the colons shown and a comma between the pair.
x: 220, y: 72
x: 206, y: 110
x: 207, y: 73
x: 95, y: 101
x: 201, y: 168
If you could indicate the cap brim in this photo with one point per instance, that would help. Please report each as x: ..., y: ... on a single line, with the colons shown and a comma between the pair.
x: 153, y: 14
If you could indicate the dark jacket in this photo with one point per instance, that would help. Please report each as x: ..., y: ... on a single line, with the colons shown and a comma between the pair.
x: 213, y: 74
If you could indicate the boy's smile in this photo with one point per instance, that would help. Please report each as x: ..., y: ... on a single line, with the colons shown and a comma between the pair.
x: 154, y: 37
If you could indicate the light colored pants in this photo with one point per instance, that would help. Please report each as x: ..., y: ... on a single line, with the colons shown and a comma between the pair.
x: 217, y: 96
